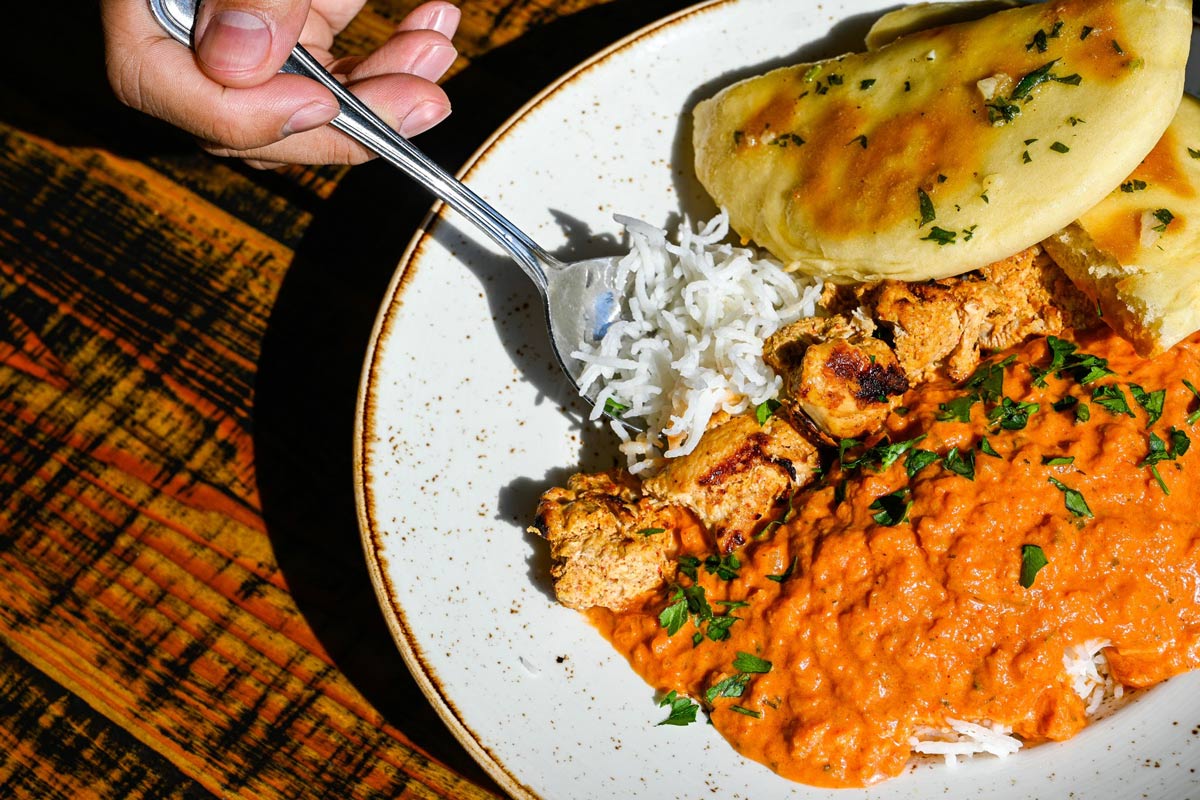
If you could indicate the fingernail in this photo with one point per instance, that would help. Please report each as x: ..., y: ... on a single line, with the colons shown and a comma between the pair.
x: 423, y: 116
x: 433, y: 61
x: 313, y: 115
x: 445, y: 20
x: 235, y: 41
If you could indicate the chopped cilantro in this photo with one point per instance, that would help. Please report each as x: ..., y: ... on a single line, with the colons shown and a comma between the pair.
x: 834, y: 80
x: 928, y: 213
x: 748, y: 662
x: 1059, y: 147
x: 881, y: 456
x: 1058, y: 461
x: 941, y: 236
x: 1161, y: 451
x: 1073, y: 499
x: 1076, y: 121
x: 1032, y: 80
x: 733, y: 686
x: 1111, y: 398
x: 960, y: 463
x: 986, y: 448
x: 1117, y: 46
x: 1086, y: 32
x: 988, y: 380
x: 1135, y: 185
x: 1011, y: 415
x: 1151, y: 402
x: 1193, y: 153
x: 614, y: 409
x: 747, y: 712
x: 958, y: 409
x: 1002, y: 111
x: 892, y: 508
x: 651, y: 531
x: 683, y: 710
x: 1033, y: 559
x: 724, y: 567
x: 1039, y: 41
x: 765, y: 410
x: 787, y: 573
x: 1026, y: 158
x: 1165, y: 218
x: 918, y: 460
x: 861, y: 140
x: 866, y: 84
x: 1194, y: 417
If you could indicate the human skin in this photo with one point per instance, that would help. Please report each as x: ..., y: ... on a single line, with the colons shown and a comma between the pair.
x: 229, y: 93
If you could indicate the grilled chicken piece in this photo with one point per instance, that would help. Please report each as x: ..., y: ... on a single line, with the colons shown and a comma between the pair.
x: 837, y: 375
x: 736, y: 474
x: 946, y: 323
x: 601, y: 554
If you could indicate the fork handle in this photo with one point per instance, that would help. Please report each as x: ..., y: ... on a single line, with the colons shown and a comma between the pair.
x: 365, y: 127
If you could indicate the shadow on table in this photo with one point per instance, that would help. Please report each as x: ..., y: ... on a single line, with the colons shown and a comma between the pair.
x: 314, y: 348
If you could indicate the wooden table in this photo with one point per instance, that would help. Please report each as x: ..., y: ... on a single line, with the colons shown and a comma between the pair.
x: 185, y: 609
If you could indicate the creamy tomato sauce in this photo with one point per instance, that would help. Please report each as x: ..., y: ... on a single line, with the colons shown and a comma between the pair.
x: 878, y: 617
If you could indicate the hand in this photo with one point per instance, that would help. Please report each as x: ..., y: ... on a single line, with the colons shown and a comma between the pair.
x: 229, y: 92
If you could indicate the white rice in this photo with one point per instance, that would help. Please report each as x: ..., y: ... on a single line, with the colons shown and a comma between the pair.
x: 696, y: 313
x: 1086, y: 668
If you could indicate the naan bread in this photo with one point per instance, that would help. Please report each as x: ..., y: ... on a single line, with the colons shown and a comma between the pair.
x: 1138, y: 252
x: 921, y: 16
x: 949, y: 148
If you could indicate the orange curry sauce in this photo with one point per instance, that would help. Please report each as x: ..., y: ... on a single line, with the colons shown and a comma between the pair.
x: 879, y: 629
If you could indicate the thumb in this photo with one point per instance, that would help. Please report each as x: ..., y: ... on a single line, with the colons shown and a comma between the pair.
x: 243, y: 43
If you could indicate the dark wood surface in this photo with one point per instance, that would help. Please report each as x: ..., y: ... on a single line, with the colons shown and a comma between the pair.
x: 185, y: 610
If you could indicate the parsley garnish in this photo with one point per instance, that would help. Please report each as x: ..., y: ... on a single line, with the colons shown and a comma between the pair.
x: 1011, y: 415
x: 941, y: 236
x: 1031, y: 81
x: 1111, y: 398
x: 881, y: 456
x: 834, y: 80
x: 918, y: 460
x: 1165, y: 218
x: 1193, y: 153
x: 988, y: 380
x: 893, y: 508
x: 1117, y: 46
x: 958, y: 409
x: 1073, y: 499
x: 748, y: 712
x: 1059, y: 147
x: 733, y: 686
x: 614, y: 409
x: 1026, y: 158
x: 1033, y: 559
x: 764, y: 411
x: 1129, y: 187
x: 1076, y: 121
x: 1151, y: 402
x: 748, y: 662
x: 1057, y: 461
x: 1001, y: 111
x: 686, y: 602
x: 1160, y: 451
x: 787, y: 573
x: 784, y: 139
x: 959, y: 463
x: 928, y: 213
x: 651, y: 531
x: 861, y: 139
x: 866, y: 84
x: 812, y: 72
x: 724, y: 567
x: 986, y: 448
x: 1194, y: 417
x: 683, y: 710
x: 1086, y: 32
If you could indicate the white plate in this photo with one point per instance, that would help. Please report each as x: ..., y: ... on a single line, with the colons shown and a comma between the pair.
x: 463, y: 421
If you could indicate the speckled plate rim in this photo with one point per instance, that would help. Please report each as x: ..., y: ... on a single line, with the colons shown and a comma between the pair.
x: 421, y: 670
